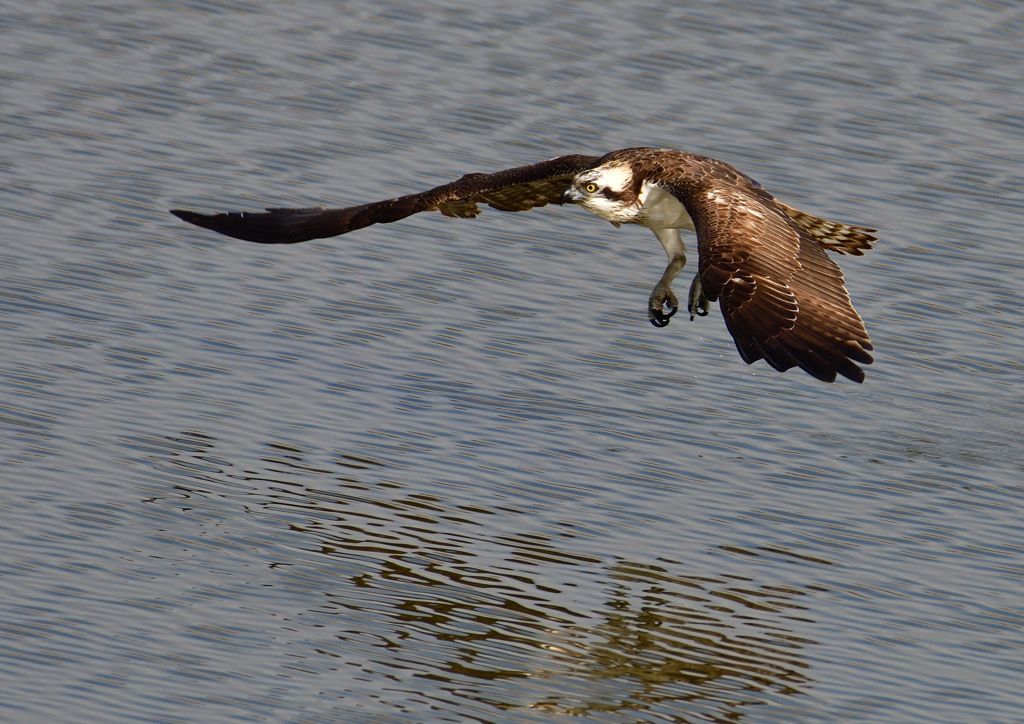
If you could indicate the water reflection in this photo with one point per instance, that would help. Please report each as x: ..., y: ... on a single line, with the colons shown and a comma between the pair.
x: 473, y: 607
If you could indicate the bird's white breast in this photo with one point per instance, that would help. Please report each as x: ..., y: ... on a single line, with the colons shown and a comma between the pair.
x: 661, y: 210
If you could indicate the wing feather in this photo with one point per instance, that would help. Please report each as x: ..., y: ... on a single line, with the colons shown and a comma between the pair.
x: 514, y: 189
x: 783, y: 299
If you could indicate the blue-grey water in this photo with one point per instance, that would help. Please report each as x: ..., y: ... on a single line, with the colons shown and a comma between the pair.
x: 445, y: 470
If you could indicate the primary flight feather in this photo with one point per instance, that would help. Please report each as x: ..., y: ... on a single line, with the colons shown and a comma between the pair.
x: 783, y: 299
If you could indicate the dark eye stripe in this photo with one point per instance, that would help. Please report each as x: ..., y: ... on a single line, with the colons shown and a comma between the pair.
x: 610, y: 195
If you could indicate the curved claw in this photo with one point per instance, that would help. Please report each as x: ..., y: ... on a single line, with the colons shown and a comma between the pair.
x: 698, y: 304
x: 661, y: 297
x: 659, y: 318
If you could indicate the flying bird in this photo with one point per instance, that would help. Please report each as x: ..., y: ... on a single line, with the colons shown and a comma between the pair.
x: 782, y: 297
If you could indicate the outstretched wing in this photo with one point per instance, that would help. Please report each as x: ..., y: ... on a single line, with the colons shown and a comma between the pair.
x: 782, y: 297
x: 514, y: 189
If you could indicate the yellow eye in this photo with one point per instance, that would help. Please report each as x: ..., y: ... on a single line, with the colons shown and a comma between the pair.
x: 590, y: 188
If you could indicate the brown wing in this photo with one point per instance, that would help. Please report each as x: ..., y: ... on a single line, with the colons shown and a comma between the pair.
x: 514, y: 189
x: 782, y: 297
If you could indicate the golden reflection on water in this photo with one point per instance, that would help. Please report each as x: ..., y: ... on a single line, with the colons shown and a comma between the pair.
x: 679, y: 638
x: 451, y: 600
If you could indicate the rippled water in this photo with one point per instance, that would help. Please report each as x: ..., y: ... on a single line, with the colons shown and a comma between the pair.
x: 446, y: 470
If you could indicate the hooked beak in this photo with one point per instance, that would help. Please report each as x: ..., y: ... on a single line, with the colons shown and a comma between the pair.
x: 570, y: 196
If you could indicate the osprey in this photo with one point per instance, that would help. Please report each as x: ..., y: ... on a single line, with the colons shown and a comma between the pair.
x: 782, y: 297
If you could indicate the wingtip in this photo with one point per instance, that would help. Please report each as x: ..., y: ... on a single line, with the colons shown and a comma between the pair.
x: 185, y: 215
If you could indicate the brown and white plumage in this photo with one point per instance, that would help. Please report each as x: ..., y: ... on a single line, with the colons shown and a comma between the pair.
x: 782, y: 297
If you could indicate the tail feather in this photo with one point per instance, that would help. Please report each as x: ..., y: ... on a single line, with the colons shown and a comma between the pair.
x: 831, y: 235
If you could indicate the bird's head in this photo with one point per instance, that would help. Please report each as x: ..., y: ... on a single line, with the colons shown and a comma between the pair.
x: 606, y: 191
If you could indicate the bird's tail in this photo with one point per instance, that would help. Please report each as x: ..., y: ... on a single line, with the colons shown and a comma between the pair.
x: 831, y: 235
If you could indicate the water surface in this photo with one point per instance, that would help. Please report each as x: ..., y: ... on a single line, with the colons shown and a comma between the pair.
x: 446, y: 470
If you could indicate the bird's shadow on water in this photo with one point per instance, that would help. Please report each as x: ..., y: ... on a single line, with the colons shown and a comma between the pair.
x: 476, y: 609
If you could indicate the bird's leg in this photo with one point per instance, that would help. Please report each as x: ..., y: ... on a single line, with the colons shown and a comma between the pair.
x: 662, y: 294
x: 698, y: 303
